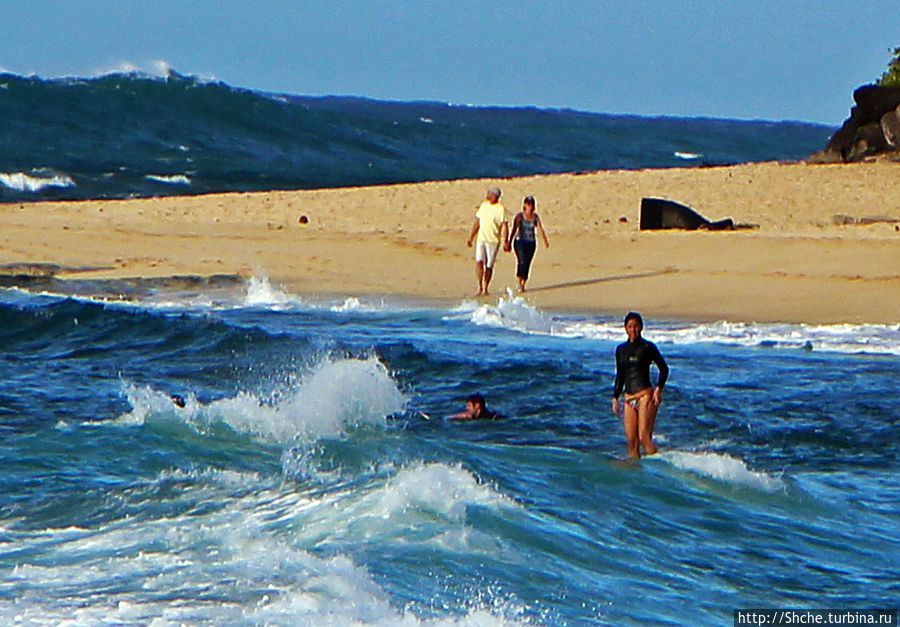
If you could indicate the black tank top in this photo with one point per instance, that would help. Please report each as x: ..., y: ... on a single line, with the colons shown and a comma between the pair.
x: 526, y: 228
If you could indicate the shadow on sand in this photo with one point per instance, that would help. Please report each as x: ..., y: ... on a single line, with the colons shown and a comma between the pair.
x: 620, y: 277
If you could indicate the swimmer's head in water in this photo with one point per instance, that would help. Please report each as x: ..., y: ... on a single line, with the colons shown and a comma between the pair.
x: 476, y: 400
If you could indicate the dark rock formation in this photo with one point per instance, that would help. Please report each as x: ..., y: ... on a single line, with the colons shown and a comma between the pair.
x: 873, y: 127
x: 890, y: 126
x: 659, y: 213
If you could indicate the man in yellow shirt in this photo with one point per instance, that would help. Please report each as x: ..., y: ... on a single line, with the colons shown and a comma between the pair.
x: 491, y: 228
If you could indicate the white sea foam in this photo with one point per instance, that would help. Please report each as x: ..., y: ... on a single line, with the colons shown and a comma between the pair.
x: 260, y: 291
x: 428, y: 500
x: 339, y: 393
x: 687, y: 155
x: 438, y: 489
x: 514, y: 313
x: 160, y: 67
x: 269, y: 581
x: 334, y: 395
x: 229, y: 479
x: 839, y: 338
x: 23, y: 182
x: 170, y: 179
x: 356, y: 304
x: 724, y: 468
x: 350, y: 304
x: 238, y: 559
x: 157, y: 68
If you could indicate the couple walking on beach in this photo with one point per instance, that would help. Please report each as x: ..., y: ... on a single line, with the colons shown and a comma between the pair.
x: 491, y: 229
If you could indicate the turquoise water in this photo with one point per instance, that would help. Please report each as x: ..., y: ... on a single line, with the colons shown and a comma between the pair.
x: 311, y: 477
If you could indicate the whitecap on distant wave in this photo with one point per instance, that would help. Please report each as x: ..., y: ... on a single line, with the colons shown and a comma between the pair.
x: 171, y: 179
x: 23, y: 182
x: 687, y: 155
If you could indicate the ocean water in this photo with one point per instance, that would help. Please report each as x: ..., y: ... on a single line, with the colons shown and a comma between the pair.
x: 128, y: 135
x: 312, y: 478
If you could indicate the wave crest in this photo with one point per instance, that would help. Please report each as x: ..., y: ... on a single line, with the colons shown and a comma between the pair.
x: 335, y: 395
x: 22, y: 182
x: 722, y: 468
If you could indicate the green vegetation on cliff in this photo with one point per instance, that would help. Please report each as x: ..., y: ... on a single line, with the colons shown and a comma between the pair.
x: 891, y: 76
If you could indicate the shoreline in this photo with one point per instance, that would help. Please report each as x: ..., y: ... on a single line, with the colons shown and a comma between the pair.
x: 408, y: 240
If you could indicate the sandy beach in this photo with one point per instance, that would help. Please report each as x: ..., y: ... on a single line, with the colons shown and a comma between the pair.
x: 409, y: 240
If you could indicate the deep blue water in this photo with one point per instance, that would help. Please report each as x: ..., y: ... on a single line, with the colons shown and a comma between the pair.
x: 126, y: 135
x: 312, y: 478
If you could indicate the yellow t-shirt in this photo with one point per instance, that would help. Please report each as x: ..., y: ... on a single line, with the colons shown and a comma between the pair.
x: 490, y: 218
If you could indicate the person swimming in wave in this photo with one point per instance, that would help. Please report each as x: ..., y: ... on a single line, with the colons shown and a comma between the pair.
x: 476, y: 410
x: 642, y: 399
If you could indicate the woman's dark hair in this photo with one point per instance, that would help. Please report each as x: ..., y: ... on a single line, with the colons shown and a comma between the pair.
x: 529, y: 200
x: 477, y: 399
x: 633, y: 315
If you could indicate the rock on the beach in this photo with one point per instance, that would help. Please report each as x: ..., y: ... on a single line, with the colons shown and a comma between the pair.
x: 869, y: 139
x: 890, y: 126
x: 863, y: 133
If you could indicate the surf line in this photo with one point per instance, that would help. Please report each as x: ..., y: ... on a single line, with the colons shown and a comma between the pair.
x: 620, y: 277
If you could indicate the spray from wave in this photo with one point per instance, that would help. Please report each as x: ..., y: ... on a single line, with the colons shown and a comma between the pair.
x: 333, y: 396
x: 261, y: 292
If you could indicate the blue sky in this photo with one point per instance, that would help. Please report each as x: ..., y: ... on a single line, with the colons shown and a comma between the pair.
x: 749, y: 59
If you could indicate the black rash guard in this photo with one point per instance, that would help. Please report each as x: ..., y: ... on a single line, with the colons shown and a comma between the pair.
x: 633, y: 361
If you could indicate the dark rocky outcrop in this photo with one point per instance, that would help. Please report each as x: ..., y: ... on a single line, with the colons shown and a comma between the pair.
x: 873, y: 127
x: 890, y: 126
x: 660, y: 213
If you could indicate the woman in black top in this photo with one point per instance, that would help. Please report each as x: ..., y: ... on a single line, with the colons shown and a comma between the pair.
x: 642, y: 399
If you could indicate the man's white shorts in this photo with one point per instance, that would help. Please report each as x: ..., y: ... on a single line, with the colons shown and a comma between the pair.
x: 486, y: 252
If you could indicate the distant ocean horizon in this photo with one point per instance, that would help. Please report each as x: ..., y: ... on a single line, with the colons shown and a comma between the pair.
x: 126, y: 135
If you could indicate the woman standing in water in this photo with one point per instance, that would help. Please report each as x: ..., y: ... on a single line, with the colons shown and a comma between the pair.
x: 642, y: 399
x: 523, y: 239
